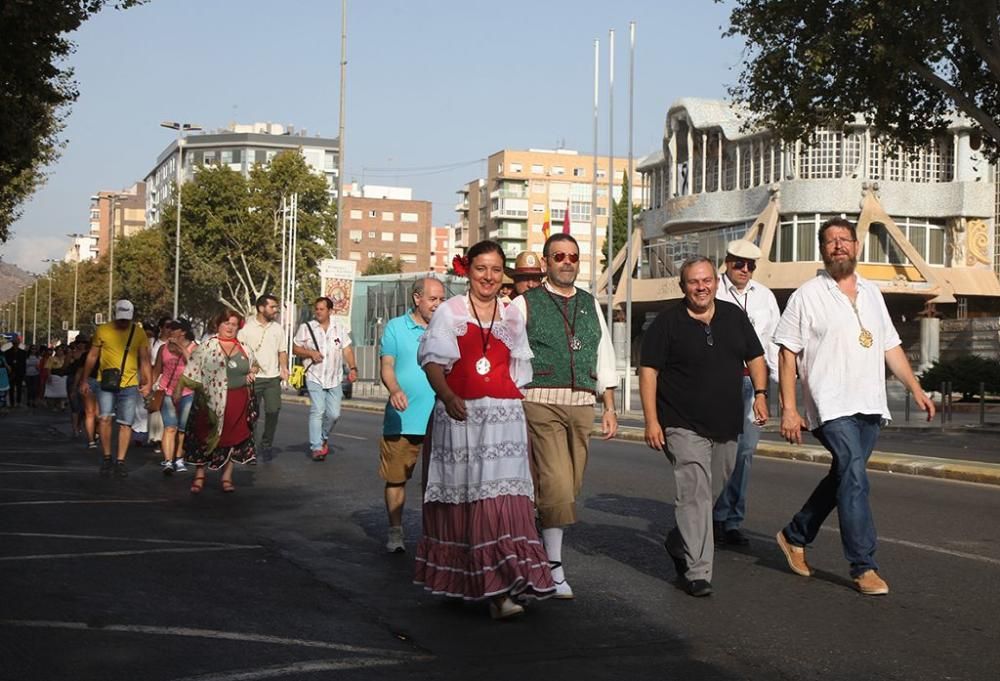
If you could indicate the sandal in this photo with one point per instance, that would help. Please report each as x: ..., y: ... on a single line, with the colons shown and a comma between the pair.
x: 197, y: 485
x: 228, y: 487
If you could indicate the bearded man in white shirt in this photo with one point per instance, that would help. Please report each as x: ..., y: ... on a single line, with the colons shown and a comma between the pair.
x: 757, y: 302
x: 837, y: 336
x: 324, y: 345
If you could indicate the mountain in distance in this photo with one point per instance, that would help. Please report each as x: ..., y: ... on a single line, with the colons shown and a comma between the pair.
x: 12, y: 280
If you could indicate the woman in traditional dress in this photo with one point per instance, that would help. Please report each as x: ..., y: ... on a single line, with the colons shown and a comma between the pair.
x: 480, y: 541
x: 220, y: 426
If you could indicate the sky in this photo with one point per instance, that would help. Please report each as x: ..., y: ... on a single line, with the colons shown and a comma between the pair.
x: 429, y: 83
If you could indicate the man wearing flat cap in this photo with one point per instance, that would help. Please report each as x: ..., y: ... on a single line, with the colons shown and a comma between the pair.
x: 527, y: 273
x: 736, y: 285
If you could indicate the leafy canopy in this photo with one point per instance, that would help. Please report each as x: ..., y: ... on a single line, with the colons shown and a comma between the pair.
x: 383, y: 264
x: 906, y: 65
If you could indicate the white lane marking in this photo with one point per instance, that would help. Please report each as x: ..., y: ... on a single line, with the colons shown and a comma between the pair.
x: 210, y: 633
x: 82, y: 501
x: 294, y: 668
x: 934, y: 549
x: 115, y: 554
x: 134, y: 539
x: 353, y: 437
x: 42, y: 465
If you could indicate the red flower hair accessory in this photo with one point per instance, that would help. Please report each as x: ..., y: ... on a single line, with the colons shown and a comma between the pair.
x: 460, y: 263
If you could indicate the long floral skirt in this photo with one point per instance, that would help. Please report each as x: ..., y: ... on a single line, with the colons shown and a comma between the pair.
x: 235, y: 440
x: 479, y: 535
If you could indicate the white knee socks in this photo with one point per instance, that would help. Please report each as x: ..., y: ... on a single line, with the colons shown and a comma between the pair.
x: 552, y: 538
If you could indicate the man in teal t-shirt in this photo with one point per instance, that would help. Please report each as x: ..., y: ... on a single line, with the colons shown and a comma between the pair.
x: 411, y: 400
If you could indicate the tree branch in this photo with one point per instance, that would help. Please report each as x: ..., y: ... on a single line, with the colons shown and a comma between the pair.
x: 965, y: 103
x: 990, y: 55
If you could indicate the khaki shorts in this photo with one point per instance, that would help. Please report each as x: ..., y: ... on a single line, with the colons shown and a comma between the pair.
x: 398, y: 457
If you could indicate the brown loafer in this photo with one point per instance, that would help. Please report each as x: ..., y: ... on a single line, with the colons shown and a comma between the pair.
x: 795, y: 555
x: 870, y: 584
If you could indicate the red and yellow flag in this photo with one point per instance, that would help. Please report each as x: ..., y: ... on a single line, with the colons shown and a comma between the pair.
x: 566, y: 219
x: 546, y: 223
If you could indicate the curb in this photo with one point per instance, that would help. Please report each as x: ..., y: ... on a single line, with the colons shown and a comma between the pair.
x: 890, y: 462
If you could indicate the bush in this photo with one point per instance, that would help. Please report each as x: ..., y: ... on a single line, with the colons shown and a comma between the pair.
x: 965, y: 373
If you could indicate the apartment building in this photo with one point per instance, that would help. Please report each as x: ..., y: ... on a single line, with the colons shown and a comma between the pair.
x: 387, y: 221
x: 522, y: 187
x: 441, y: 249
x: 122, y: 211
x: 240, y: 147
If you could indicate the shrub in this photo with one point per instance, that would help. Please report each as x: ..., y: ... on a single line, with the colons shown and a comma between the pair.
x: 965, y: 373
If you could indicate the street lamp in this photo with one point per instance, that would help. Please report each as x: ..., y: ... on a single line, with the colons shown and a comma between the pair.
x: 76, y: 271
x: 181, y: 128
x: 49, y: 276
x: 34, y: 318
x: 113, y: 199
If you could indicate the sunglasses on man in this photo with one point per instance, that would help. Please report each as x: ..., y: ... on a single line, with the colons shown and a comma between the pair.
x: 739, y: 264
x: 559, y: 257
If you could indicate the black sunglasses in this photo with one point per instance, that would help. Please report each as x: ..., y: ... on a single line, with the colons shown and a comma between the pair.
x: 708, y: 336
x: 748, y: 265
x: 559, y: 257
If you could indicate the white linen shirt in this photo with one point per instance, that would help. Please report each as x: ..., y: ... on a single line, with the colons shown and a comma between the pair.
x: 330, y: 372
x: 760, y: 305
x: 266, y: 342
x: 840, y: 377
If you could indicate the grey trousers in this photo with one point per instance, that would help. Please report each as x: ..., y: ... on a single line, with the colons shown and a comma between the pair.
x: 694, y: 458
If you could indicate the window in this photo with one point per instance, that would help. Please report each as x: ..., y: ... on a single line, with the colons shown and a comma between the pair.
x: 388, y: 236
x: 537, y: 169
x: 330, y: 160
x: 409, y: 217
x: 538, y: 187
x: 601, y: 174
x: 355, y: 235
x: 408, y: 238
x: 269, y: 155
x: 499, y: 168
x: 355, y: 255
x: 355, y: 214
x: 208, y: 158
x: 226, y: 156
x: 408, y: 258
x: 371, y: 254
x: 388, y: 216
x: 516, y: 167
x: 579, y: 172
x: 373, y: 213
x: 558, y: 170
x: 538, y: 208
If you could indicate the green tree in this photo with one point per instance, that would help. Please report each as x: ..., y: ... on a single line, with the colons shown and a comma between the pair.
x: 36, y: 89
x: 619, y: 226
x: 383, y: 264
x: 142, y: 276
x: 906, y: 65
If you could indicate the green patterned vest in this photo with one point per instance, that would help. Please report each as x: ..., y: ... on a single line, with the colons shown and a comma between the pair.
x: 555, y: 364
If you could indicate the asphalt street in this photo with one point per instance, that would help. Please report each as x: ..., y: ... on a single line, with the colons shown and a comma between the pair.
x: 288, y: 579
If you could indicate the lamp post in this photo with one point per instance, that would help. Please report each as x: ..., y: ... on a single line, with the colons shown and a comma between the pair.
x: 48, y: 337
x: 181, y: 128
x: 113, y: 204
x: 34, y: 318
x: 76, y: 272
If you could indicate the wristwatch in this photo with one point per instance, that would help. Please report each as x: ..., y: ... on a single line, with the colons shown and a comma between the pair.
x: 760, y: 391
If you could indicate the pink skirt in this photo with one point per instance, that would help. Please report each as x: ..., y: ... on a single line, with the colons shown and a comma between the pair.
x: 481, y: 549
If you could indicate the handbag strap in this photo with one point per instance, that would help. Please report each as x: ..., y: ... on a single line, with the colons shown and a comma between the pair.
x: 315, y: 342
x: 121, y: 371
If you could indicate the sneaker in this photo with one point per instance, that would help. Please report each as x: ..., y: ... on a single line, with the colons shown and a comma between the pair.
x: 318, y: 455
x: 870, y: 584
x: 699, y: 588
x: 395, y: 542
x: 121, y: 470
x: 326, y: 448
x: 795, y: 555
x: 179, y: 466
x: 105, y: 470
x: 167, y: 467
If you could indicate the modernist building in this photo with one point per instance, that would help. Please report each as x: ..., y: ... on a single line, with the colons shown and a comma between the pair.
x: 239, y: 147
x: 926, y: 218
x: 386, y: 221
x: 523, y: 186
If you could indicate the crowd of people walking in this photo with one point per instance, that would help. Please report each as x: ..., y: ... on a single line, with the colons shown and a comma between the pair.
x: 496, y: 395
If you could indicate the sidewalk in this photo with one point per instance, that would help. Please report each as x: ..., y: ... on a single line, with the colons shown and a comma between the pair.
x: 953, y: 464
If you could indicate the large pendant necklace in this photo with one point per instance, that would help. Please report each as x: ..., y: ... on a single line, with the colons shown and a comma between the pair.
x: 483, y: 364
x: 575, y: 344
x: 229, y: 355
x: 865, y: 338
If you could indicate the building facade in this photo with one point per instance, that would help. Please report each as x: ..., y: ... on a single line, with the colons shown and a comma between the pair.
x: 441, y: 249
x: 239, y: 147
x: 524, y: 187
x: 123, y: 212
x: 386, y: 222
x: 926, y: 218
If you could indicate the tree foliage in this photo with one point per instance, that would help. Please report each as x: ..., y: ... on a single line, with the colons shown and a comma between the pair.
x: 36, y: 89
x: 965, y: 373
x: 906, y: 65
x: 231, y: 233
x: 383, y: 264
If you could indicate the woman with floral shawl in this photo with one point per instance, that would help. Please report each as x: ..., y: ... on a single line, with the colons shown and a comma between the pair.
x: 220, y: 427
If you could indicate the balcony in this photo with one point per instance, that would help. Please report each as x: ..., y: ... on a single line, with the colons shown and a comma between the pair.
x: 509, y: 214
x: 509, y: 194
x: 512, y: 232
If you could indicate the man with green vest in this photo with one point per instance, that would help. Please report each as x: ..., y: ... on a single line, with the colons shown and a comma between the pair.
x: 573, y: 364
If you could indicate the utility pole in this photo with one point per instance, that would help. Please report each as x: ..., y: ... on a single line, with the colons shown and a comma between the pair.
x: 340, y: 133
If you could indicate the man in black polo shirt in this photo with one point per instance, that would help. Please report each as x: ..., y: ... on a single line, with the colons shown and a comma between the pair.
x: 691, y: 384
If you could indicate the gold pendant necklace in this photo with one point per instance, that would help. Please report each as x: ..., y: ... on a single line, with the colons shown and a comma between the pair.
x: 865, y: 338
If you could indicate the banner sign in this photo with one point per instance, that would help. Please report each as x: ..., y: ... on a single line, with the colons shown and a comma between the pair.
x: 337, y: 283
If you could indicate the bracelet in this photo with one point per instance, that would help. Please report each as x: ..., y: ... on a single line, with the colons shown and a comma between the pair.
x: 352, y: 368
x: 760, y: 391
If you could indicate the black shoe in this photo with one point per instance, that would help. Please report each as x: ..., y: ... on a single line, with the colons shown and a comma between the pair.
x: 105, y: 469
x: 699, y: 588
x: 680, y: 567
x: 718, y: 533
x: 734, y: 537
x: 121, y: 470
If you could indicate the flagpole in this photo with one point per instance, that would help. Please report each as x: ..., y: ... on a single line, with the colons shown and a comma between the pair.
x: 611, y: 175
x: 594, y: 252
x: 628, y: 239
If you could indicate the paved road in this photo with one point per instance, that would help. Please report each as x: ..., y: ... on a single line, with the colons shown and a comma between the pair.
x: 107, y: 579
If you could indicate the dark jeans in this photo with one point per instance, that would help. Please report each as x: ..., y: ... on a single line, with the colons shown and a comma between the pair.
x: 16, y: 388
x: 269, y: 389
x: 850, y: 440
x: 31, y: 382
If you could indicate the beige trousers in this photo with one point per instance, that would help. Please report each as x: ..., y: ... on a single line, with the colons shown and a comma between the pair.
x: 560, y: 439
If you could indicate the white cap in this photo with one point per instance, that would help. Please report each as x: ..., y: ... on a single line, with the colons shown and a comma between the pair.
x: 124, y: 309
x: 742, y: 248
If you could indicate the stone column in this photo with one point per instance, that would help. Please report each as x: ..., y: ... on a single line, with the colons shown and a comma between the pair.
x: 930, y: 342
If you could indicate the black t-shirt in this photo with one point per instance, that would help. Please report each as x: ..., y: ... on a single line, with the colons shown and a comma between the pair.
x: 700, y: 386
x: 17, y: 359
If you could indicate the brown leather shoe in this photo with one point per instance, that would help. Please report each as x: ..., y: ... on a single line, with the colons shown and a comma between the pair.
x: 870, y: 584
x: 795, y: 555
